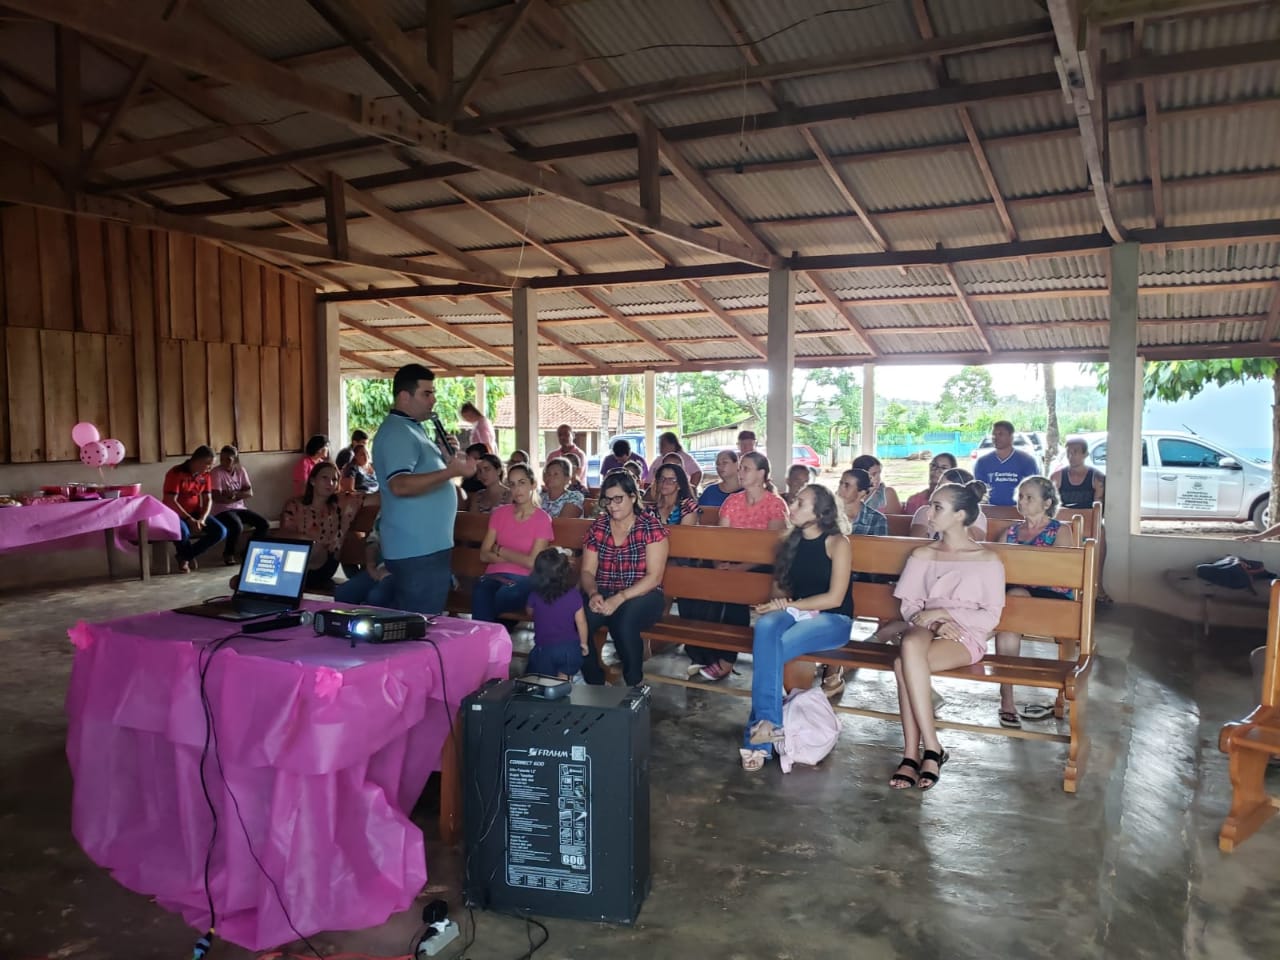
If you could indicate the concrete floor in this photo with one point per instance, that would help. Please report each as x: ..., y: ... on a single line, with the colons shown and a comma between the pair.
x: 996, y: 862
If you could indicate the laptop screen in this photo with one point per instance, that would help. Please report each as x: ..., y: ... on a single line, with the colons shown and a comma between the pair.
x: 275, y: 569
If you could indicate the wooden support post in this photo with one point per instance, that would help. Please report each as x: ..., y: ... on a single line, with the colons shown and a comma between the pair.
x: 525, y: 342
x: 650, y: 171
x: 144, y: 551
x: 329, y: 361
x: 440, y: 52
x: 1124, y: 420
x: 651, y: 414
x: 481, y: 393
x: 66, y: 52
x: 868, y: 444
x: 335, y: 215
x: 779, y: 420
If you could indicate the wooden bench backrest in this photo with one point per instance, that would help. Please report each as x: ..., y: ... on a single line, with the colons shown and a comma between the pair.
x: 1058, y: 567
x: 1090, y: 518
x: 709, y: 516
x: 1271, y: 665
x: 469, y: 530
x: 998, y: 528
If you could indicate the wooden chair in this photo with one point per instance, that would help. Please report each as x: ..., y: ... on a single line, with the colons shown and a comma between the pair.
x: 1250, y: 744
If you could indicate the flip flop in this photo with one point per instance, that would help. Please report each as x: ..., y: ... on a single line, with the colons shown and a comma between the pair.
x: 1009, y: 719
x: 1037, y: 711
x: 753, y: 760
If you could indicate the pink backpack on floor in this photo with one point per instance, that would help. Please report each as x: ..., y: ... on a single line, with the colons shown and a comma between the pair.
x: 809, y: 727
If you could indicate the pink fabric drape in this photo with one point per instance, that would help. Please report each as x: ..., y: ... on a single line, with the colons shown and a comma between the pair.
x: 66, y: 526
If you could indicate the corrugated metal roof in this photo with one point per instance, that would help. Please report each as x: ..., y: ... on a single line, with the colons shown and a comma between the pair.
x: 1050, y: 338
x: 961, y: 16
x: 1192, y: 146
x: 1039, y: 310
x: 857, y: 84
x: 951, y: 228
x: 800, y: 29
x: 1215, y: 29
x: 771, y: 195
x: 1252, y: 260
x: 879, y: 132
x: 1068, y: 217
x: 916, y: 181
x: 1176, y: 305
x: 274, y: 28
x: 1243, y: 198
x: 845, y: 235
x: 1174, y: 333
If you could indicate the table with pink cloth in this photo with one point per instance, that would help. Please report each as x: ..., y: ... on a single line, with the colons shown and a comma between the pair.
x: 80, y: 524
x: 326, y: 747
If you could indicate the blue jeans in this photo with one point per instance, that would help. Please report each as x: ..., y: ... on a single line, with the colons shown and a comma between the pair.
x: 189, y: 549
x: 779, y: 638
x: 498, y: 594
x: 362, y: 588
x: 422, y: 583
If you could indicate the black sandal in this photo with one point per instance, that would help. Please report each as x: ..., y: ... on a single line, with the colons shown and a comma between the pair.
x: 927, y: 778
x: 903, y: 778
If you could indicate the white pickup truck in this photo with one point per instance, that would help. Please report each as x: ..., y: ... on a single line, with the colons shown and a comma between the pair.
x: 1186, y: 477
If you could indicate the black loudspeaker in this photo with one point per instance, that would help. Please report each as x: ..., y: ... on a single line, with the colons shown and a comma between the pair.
x: 556, y: 811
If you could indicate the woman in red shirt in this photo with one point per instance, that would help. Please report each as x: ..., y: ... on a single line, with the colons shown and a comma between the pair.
x: 315, y: 453
x: 623, y: 558
x: 187, y: 492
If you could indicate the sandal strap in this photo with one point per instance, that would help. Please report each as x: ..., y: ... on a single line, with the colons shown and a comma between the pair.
x: 908, y: 762
x: 936, y: 757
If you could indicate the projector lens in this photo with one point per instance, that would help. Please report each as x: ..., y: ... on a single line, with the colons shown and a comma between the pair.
x: 362, y: 627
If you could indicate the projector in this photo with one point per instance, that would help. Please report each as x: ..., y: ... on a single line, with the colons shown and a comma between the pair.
x: 370, y: 625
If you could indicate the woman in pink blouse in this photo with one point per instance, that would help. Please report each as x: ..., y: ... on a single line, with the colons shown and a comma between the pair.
x: 518, y: 532
x: 952, y: 593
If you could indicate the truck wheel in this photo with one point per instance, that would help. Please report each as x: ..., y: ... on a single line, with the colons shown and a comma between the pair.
x: 1260, y: 512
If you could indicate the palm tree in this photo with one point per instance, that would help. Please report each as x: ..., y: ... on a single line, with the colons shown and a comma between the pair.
x: 1051, y: 424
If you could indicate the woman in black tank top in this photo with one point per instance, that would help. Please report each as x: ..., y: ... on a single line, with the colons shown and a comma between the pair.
x: 812, y: 610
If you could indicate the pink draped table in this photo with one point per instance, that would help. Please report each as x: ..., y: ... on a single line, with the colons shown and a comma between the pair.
x: 74, y: 525
x: 325, y: 747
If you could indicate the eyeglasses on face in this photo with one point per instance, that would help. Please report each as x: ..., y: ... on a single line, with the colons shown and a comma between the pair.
x: 667, y: 479
x: 614, y: 501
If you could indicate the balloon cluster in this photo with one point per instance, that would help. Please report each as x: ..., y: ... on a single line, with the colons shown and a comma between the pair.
x: 94, y: 451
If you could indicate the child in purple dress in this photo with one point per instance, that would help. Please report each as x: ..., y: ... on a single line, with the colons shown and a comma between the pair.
x: 559, y: 623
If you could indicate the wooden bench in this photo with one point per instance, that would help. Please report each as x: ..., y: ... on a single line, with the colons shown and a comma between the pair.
x: 1085, y: 522
x: 1069, y: 622
x: 1250, y: 743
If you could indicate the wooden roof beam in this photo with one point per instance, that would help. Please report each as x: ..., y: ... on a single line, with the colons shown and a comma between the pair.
x: 497, y: 44
x: 625, y: 322
x: 552, y: 336
x: 1271, y: 329
x: 698, y: 293
x: 214, y: 55
x: 1151, y: 133
x: 843, y: 308
x: 377, y: 333
x: 444, y: 326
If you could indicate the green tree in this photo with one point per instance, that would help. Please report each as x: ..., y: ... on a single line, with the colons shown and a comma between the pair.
x: 1174, y: 380
x: 367, y: 404
x: 846, y: 397
x: 965, y: 393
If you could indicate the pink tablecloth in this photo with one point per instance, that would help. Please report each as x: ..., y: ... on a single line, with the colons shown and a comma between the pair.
x: 65, y: 526
x: 326, y: 747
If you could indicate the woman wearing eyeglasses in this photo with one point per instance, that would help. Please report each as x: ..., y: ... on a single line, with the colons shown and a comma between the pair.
x: 623, y: 557
x: 937, y: 467
x: 673, y: 500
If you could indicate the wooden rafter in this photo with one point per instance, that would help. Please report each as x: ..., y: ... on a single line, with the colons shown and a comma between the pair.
x: 925, y: 25
x: 377, y: 333
x: 556, y: 340
x: 497, y: 43
x: 409, y: 59
x: 1082, y: 87
x: 510, y: 224
x: 844, y: 310
x: 213, y: 55
x: 502, y: 353
x: 1151, y: 133
x: 696, y: 291
x: 1271, y: 329
x: 623, y: 321
x: 66, y: 48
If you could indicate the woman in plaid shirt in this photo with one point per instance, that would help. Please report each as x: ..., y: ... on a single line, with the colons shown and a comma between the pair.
x: 623, y: 557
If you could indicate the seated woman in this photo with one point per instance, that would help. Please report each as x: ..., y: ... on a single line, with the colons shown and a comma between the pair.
x: 314, y: 453
x: 1037, y: 503
x: 187, y: 493
x: 518, y: 532
x: 517, y: 456
x: 673, y: 501
x: 883, y: 498
x: 952, y: 592
x: 358, y: 473
x: 937, y: 467
x: 574, y: 483
x: 323, y: 517
x: 493, y: 492
x: 373, y: 583
x: 920, y: 519
x: 623, y: 558
x: 558, y: 498
x: 854, y: 492
x: 797, y: 478
x: 230, y: 489
x: 812, y: 610
x: 755, y: 507
x: 727, y: 470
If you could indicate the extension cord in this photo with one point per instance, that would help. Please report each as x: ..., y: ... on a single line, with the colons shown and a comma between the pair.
x: 445, y: 933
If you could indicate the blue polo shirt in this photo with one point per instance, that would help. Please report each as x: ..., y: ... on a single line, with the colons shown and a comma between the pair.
x: 411, y: 526
x: 1003, y: 476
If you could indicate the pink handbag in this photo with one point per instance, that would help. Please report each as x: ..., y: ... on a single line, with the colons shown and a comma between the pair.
x: 810, y: 728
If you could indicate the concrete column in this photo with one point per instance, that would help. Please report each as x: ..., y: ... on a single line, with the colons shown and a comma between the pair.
x: 480, y: 394
x: 333, y: 414
x: 868, y: 444
x: 1123, y: 504
x: 780, y: 346
x: 651, y: 414
x: 525, y: 333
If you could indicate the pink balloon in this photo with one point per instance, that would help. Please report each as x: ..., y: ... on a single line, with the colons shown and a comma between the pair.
x: 85, y: 432
x: 115, y: 452
x: 93, y: 454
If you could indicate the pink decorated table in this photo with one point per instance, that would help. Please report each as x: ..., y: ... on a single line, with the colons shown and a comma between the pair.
x: 325, y: 747
x: 79, y: 524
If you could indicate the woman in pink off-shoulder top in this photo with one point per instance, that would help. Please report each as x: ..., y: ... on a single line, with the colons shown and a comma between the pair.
x: 952, y: 593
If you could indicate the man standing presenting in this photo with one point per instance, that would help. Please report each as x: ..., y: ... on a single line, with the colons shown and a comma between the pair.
x: 1004, y: 467
x: 564, y: 433
x: 419, y: 503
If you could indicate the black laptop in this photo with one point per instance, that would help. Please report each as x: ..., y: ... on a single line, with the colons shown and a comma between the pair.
x: 272, y: 578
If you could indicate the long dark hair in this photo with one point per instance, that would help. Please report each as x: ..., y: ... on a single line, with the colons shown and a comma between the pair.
x: 830, y: 520
x: 493, y: 460
x: 310, y: 495
x: 201, y: 452
x: 552, y: 576
x: 683, y: 491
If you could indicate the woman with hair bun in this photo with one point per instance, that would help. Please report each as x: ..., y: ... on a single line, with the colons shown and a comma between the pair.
x: 952, y: 593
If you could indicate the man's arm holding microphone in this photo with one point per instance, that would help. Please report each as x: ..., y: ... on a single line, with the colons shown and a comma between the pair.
x: 456, y: 465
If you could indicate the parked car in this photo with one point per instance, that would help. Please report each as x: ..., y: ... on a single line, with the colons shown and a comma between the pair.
x: 802, y: 453
x: 1186, y: 477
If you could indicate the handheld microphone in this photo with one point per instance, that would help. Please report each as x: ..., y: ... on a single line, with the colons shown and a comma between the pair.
x: 445, y: 442
x: 281, y: 622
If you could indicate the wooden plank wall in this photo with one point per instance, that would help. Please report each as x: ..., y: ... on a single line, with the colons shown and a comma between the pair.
x: 164, y: 341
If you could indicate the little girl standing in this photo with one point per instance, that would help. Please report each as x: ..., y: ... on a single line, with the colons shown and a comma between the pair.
x: 559, y: 623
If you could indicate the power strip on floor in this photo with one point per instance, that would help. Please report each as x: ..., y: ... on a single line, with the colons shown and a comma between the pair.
x: 446, y: 932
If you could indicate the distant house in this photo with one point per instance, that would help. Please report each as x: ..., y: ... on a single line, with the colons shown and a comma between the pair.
x: 726, y: 435
x: 582, y: 416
